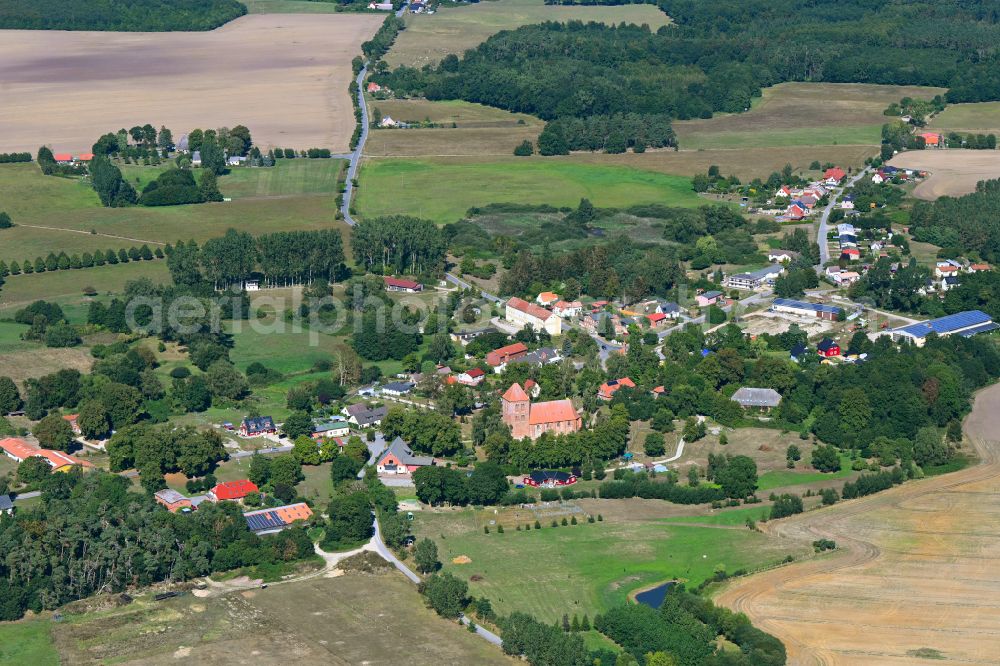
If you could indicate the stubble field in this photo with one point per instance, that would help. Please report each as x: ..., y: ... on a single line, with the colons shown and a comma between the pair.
x: 953, y: 172
x: 915, y: 581
x: 283, y: 76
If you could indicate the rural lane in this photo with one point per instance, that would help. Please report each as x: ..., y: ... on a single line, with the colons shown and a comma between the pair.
x: 915, y: 571
x: 824, y: 220
x: 352, y: 169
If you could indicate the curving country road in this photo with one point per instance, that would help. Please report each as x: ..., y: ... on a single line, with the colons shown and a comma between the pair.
x: 916, y: 576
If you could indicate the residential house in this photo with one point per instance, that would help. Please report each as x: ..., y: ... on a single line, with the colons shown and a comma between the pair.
x: 847, y: 203
x: 782, y: 256
x: 670, y: 309
x: 541, y: 356
x: 257, y: 426
x: 850, y: 254
x: 547, y: 298
x: 763, y: 277
x: 196, y: 158
x: 567, y: 309
x: 798, y: 351
x: 594, y: 322
x: 976, y: 268
x: 795, y: 212
x: 364, y: 416
x: 473, y: 377
x: 549, y: 479
x: 84, y: 157
x: 834, y: 176
x: 966, y: 324
x: 827, y: 348
x: 397, y: 388
x: 232, y: 491
x: 845, y: 278
x: 72, y: 419
x: 806, y: 309
x: 879, y: 177
x: 236, y: 160
x: 708, y: 298
x: 273, y: 520
x: 531, y: 420
x: 656, y: 319
x: 946, y: 268
x: 498, y: 358
x: 172, y: 500
x: 931, y: 139
x: 757, y: 398
x: 63, y: 158
x: 608, y: 389
x: 522, y: 313
x: 532, y: 388
x: 398, y: 458
x: 6, y: 505
x: 372, y: 86
x: 407, y: 286
x: 332, y: 428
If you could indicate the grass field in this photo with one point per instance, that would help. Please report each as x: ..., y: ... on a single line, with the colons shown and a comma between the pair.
x: 290, y: 7
x: 777, y: 478
x: 443, y: 189
x: 428, y: 38
x: 54, y: 214
x: 982, y: 117
x: 351, y: 619
x: 801, y: 114
x: 586, y: 568
x: 27, y: 642
x: 286, y: 178
x: 66, y: 287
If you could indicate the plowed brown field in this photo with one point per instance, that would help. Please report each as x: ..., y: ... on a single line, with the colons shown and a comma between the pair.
x: 916, y: 579
x: 284, y: 76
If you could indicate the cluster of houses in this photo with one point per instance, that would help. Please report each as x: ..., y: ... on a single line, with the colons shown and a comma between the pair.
x: 947, y: 275
x: 887, y: 173
x: 802, y: 200
x: 259, y: 521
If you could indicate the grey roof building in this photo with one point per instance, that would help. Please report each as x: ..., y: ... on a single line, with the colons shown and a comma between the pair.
x: 757, y: 397
x: 364, y: 416
x: 6, y: 505
x: 402, y: 452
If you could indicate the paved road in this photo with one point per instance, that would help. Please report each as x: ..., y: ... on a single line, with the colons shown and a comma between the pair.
x: 821, y: 234
x: 352, y: 169
x: 454, y: 279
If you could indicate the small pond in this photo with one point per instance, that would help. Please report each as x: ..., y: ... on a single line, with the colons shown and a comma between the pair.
x: 654, y: 597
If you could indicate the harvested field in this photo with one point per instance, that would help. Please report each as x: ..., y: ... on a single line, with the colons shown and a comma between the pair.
x: 916, y: 574
x: 428, y: 38
x: 284, y: 76
x: 953, y: 172
x: 981, y: 118
x: 801, y: 114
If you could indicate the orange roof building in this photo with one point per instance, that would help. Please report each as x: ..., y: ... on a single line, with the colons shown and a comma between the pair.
x: 547, y: 298
x: 532, y: 420
x: 522, y: 313
x: 609, y: 388
x: 19, y: 450
x: 505, y: 355
x: 930, y: 138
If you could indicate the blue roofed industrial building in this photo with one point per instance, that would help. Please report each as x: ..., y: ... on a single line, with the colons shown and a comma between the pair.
x: 966, y: 324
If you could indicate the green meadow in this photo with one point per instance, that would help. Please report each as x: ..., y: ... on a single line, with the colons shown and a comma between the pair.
x: 443, y: 189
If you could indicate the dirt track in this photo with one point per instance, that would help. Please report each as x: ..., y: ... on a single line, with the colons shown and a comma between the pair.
x: 284, y: 76
x: 953, y: 172
x: 918, y: 570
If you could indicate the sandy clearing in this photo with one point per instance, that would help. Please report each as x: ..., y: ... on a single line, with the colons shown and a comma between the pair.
x: 953, y: 172
x: 283, y: 76
x: 918, y: 569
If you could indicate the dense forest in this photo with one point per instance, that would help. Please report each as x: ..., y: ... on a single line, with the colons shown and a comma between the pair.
x: 119, y: 15
x: 91, y: 534
x: 968, y: 224
x: 718, y: 56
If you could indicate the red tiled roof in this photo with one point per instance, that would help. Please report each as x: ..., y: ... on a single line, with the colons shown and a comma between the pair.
x: 529, y: 309
x: 836, y: 173
x: 499, y: 356
x: 609, y: 388
x: 85, y: 157
x: 548, y: 296
x: 60, y: 459
x: 656, y: 317
x: 515, y: 393
x: 402, y: 284
x: 63, y: 157
x: 231, y: 490
x: 529, y: 384
x: 476, y: 372
x: 552, y: 411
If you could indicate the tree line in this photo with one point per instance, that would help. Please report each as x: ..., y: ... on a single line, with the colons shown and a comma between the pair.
x: 63, y: 261
x: 119, y: 15
x: 966, y: 224
x: 614, y: 133
x: 10, y: 158
x: 398, y: 244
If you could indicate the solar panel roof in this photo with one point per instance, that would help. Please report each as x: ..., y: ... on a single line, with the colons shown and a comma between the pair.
x: 945, y: 325
x: 803, y: 305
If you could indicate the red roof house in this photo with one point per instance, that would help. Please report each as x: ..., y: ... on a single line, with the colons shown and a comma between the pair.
x: 609, y: 388
x: 656, y: 318
x: 395, y: 284
x: 232, y: 490
x: 930, y: 138
x: 63, y: 158
x: 504, y: 355
x: 836, y: 174
x: 828, y: 348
